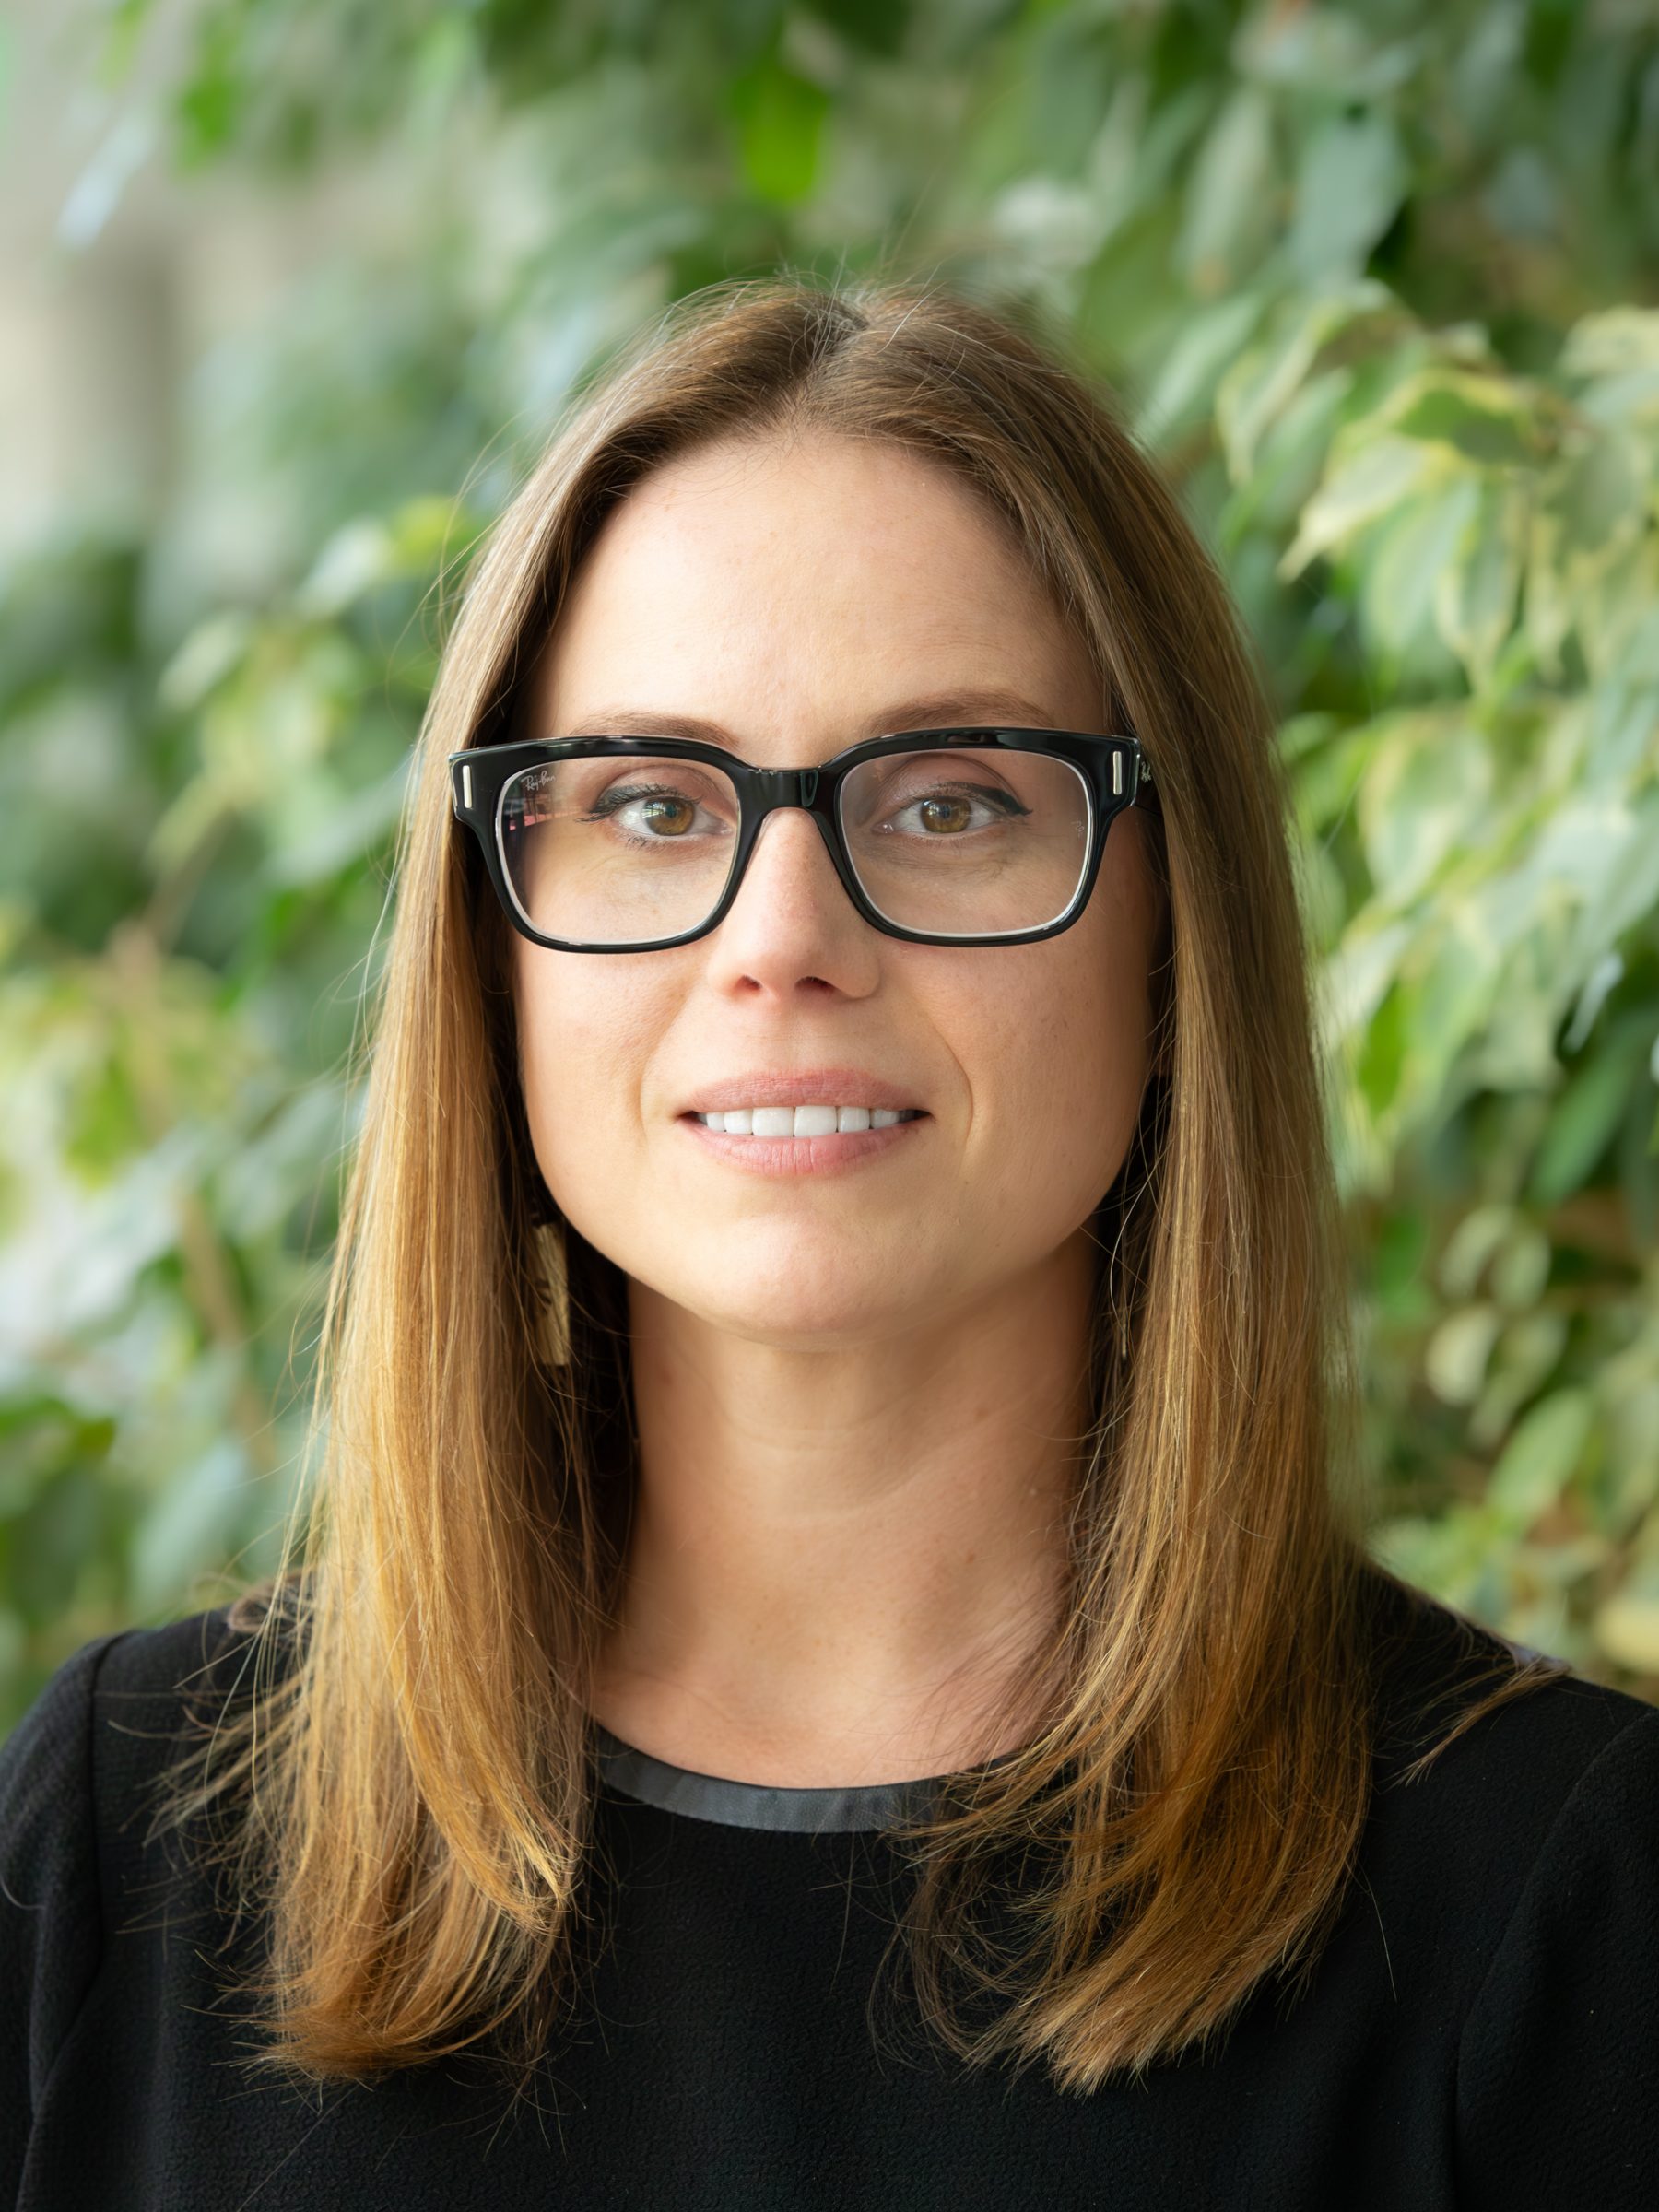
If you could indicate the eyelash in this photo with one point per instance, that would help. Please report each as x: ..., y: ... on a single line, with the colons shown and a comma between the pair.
x: 1003, y: 804
x: 625, y: 795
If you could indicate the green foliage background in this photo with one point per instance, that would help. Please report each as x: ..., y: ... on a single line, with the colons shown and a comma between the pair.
x: 1375, y: 284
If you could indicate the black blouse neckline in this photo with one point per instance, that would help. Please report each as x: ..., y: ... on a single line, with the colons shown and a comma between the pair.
x: 854, y: 1809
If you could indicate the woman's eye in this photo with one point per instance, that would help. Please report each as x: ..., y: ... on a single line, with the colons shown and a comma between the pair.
x: 949, y: 813
x: 668, y: 818
x: 653, y: 817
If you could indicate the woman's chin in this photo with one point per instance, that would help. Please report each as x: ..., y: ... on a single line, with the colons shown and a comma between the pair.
x: 871, y: 1306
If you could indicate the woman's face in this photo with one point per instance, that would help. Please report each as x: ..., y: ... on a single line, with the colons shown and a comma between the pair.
x: 802, y: 595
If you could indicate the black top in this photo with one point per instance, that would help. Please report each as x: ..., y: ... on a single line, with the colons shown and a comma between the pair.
x: 1482, y: 2028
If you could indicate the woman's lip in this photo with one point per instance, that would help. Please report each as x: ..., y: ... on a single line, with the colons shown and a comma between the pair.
x: 786, y: 1156
x: 802, y: 1086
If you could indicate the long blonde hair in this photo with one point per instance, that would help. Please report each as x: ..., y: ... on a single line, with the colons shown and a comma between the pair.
x: 409, y: 1771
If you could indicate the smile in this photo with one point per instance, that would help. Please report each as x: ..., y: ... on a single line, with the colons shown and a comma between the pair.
x: 805, y: 1121
x: 789, y: 1142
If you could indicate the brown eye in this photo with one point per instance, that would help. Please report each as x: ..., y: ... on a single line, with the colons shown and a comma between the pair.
x: 943, y: 814
x: 674, y: 817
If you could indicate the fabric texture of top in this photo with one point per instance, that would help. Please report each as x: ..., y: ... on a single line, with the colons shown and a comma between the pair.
x: 1481, y: 2030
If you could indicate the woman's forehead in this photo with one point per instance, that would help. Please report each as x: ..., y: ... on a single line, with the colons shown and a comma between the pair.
x: 862, y: 580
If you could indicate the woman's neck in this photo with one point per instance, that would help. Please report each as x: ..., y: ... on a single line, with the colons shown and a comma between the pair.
x: 842, y: 1561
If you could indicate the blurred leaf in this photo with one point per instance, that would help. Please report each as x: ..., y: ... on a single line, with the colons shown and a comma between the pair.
x: 1607, y: 972
x: 1475, y: 590
x: 1206, y: 346
x: 1627, y: 1626
x: 1229, y: 200
x: 193, y: 1525
x: 879, y: 26
x: 1456, y: 1361
x: 212, y: 650
x: 1427, y: 783
x: 1540, y: 1456
x: 1352, y: 180
x: 780, y: 121
x: 53, y: 1538
x: 1471, y: 1246
x: 1522, y: 1266
x: 1582, y: 1122
x: 1488, y: 420
x: 1268, y: 374
x: 1408, y: 559
x: 1370, y: 480
x: 1524, y: 1359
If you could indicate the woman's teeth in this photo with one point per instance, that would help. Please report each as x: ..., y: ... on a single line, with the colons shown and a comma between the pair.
x: 806, y: 1121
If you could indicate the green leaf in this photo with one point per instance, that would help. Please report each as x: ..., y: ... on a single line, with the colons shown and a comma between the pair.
x: 1397, y: 1267
x: 1582, y: 1125
x: 1539, y: 1458
x: 1602, y: 979
x: 1260, y: 384
x: 1471, y: 1247
x: 211, y: 106
x: 1623, y: 890
x: 1352, y: 179
x: 1475, y: 590
x: 1521, y: 1267
x: 1452, y: 1001
x: 1362, y: 971
x: 1526, y: 1356
x: 1599, y: 493
x: 351, y: 563
x: 1454, y: 1359
x: 53, y: 1538
x: 1381, y: 1061
x: 1488, y: 419
x: 1207, y: 346
x: 878, y: 26
x: 1289, y: 462
x: 192, y: 1526
x: 1367, y: 480
x: 1616, y: 342
x: 780, y: 121
x: 1403, y: 565
x: 1426, y: 787
x: 211, y: 651
x: 1627, y: 1626
x: 1229, y: 199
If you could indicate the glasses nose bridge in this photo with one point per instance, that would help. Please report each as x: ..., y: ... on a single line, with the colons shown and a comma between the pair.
x: 777, y: 789
x: 788, y: 787
x: 808, y: 788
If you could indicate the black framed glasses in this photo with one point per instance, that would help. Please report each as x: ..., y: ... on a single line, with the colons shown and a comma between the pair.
x: 974, y: 836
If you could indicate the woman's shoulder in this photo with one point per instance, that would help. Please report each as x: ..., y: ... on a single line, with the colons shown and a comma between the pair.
x: 1436, y: 1673
x: 109, y: 1718
x: 1512, y: 1883
x: 1488, y: 1812
x: 76, y: 1780
x: 150, y: 1681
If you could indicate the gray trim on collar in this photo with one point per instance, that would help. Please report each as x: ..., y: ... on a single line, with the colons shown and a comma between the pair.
x: 861, y: 1807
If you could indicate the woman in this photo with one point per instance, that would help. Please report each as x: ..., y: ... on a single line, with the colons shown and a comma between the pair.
x: 837, y: 1664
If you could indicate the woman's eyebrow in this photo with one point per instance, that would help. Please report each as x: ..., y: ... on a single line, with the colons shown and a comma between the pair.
x: 937, y: 711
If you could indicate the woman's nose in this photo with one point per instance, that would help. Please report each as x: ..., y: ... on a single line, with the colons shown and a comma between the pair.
x: 791, y: 874
x: 791, y: 914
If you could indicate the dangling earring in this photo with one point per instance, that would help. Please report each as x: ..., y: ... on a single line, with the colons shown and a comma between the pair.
x: 551, y: 1289
x: 1120, y: 1296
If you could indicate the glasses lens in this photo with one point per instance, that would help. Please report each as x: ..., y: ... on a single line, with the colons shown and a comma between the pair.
x: 615, y: 850
x: 967, y: 841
